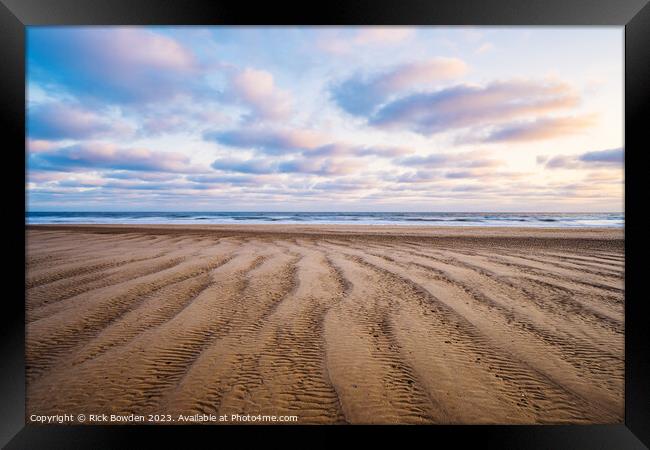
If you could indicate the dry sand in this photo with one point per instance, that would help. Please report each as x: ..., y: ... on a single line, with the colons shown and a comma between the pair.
x: 333, y: 324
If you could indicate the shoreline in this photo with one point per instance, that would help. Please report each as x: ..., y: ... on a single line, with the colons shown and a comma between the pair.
x: 351, y: 229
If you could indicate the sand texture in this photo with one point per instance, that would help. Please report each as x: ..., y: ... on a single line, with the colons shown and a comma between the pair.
x: 333, y: 324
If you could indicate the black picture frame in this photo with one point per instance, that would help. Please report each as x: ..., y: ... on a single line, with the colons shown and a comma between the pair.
x: 634, y: 15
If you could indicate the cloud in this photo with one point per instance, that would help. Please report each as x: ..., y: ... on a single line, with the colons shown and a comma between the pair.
x: 256, y: 90
x: 470, y: 105
x: 143, y: 70
x: 320, y: 166
x: 604, y: 177
x: 81, y: 182
x: 101, y: 156
x: 37, y: 176
x: 612, y: 158
x: 144, y: 176
x: 462, y: 174
x: 485, y: 48
x: 309, y: 143
x: 227, y: 179
x: 360, y: 95
x: 155, y: 186
x: 562, y: 162
x: 114, y: 64
x: 435, y: 160
x: 311, y: 166
x: 383, y: 35
x: 256, y: 120
x: 451, y: 160
x: 272, y: 142
x: 345, y: 184
x: 56, y: 121
x: 534, y: 130
x: 39, y: 145
x: 344, y: 43
x: 420, y: 176
x: 339, y: 149
x: 188, y: 118
x: 252, y: 165
x: 386, y: 152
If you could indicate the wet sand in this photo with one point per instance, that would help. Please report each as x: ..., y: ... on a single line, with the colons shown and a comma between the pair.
x: 334, y: 324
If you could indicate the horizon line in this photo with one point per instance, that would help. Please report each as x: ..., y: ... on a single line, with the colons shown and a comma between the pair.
x: 332, y: 211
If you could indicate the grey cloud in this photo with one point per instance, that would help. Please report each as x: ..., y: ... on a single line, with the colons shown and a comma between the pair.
x: 420, y: 176
x: 594, y: 159
x: 345, y: 185
x: 144, y: 176
x: 231, y: 179
x: 388, y: 152
x: 447, y: 160
x: 97, y: 156
x: 310, y: 144
x: 296, y: 165
x: 562, y: 162
x: 464, y: 105
x: 338, y: 149
x: 610, y: 156
x: 253, y: 166
x: 361, y: 94
x: 461, y: 174
x: 266, y: 141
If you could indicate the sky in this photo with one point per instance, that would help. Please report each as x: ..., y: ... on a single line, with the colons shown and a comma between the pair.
x: 526, y: 119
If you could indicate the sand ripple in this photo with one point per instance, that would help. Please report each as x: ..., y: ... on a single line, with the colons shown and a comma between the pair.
x: 333, y: 327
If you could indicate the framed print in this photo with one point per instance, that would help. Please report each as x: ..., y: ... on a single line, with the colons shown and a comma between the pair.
x: 260, y: 220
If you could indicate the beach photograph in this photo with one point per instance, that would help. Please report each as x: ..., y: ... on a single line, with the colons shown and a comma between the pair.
x: 324, y: 225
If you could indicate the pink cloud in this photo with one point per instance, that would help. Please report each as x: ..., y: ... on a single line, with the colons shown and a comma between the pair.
x: 117, y: 64
x: 383, y: 35
x: 308, y: 142
x: 471, y: 105
x: 420, y: 73
x: 256, y: 89
x: 70, y: 121
x: 136, y: 48
x: 362, y: 94
x: 44, y: 177
x: 39, y: 145
x: 340, y: 43
x: 541, y: 128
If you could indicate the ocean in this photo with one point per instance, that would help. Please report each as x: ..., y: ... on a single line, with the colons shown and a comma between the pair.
x: 361, y: 218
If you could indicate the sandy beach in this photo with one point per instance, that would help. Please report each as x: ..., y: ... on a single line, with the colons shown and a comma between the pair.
x: 333, y: 324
